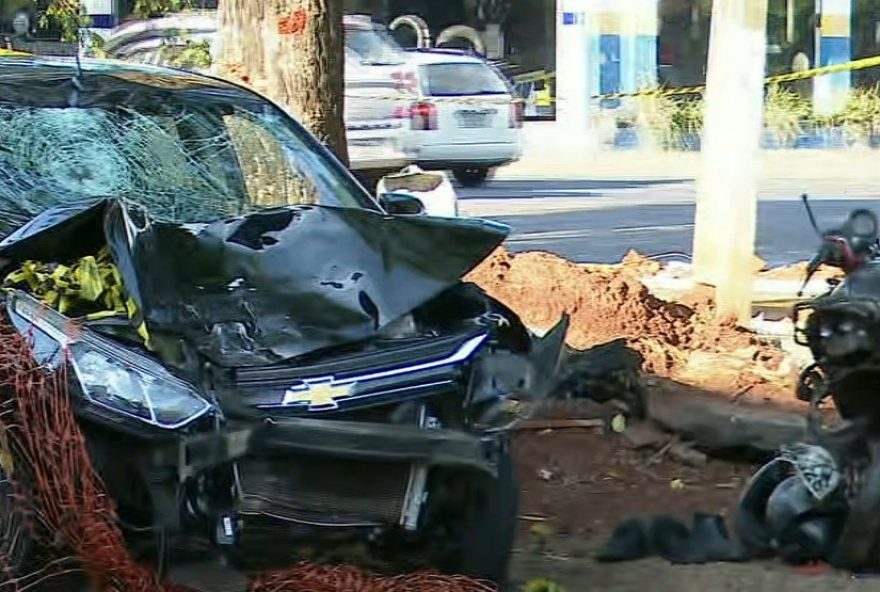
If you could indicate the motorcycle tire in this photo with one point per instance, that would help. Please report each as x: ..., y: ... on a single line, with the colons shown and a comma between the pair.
x: 488, y: 529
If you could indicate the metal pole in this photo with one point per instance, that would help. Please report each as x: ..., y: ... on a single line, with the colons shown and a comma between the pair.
x: 817, y: 36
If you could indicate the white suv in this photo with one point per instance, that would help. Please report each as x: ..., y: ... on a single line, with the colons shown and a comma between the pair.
x: 465, y: 118
x: 376, y: 72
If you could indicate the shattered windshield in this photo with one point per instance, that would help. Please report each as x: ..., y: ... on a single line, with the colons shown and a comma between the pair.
x: 184, y: 161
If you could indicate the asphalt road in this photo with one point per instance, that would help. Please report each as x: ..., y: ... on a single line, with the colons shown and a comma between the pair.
x: 599, y: 221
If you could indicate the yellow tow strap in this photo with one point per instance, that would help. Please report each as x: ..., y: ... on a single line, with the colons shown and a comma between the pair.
x: 91, y: 287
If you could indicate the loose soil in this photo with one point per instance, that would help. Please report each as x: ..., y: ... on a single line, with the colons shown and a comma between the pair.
x: 681, y: 340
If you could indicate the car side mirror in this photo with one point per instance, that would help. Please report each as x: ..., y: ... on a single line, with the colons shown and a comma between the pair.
x: 402, y: 204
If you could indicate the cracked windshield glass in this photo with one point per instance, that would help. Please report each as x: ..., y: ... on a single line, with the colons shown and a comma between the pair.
x: 184, y: 161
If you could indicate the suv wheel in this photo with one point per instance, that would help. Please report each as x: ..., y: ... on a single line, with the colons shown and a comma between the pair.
x: 471, y: 177
x: 487, y: 532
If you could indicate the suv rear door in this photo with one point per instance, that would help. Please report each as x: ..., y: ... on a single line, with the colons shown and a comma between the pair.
x: 472, y: 102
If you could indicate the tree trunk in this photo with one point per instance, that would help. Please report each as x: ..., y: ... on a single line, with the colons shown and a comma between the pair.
x: 241, y: 51
x: 724, y: 233
x: 293, y: 51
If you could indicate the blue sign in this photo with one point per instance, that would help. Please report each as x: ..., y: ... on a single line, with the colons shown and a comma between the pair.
x: 102, y: 21
x: 569, y: 18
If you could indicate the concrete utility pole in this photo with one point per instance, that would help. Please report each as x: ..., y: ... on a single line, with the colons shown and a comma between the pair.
x: 724, y: 233
x: 574, y: 73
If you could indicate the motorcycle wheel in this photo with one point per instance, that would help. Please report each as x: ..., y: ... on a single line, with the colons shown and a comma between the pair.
x: 15, y: 540
x: 487, y: 532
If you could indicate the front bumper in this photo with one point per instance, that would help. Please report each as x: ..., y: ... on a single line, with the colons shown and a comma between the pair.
x: 376, y: 150
x: 333, y: 439
x: 416, y: 447
x: 445, y: 156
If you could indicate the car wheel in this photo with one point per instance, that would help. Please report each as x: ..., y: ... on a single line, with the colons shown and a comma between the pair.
x: 471, y: 177
x: 488, y: 530
x: 15, y: 540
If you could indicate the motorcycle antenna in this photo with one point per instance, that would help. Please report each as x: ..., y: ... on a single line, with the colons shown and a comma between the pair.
x: 806, y: 201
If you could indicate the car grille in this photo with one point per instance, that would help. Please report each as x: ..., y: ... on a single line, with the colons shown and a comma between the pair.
x: 323, y: 491
x: 330, y: 491
x: 385, y: 375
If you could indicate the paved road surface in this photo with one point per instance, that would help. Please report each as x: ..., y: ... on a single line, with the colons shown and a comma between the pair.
x: 598, y: 221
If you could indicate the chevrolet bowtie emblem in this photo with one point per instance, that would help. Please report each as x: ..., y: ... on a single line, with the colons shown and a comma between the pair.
x: 318, y: 394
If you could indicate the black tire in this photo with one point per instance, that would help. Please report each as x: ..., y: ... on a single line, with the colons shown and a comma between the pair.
x: 471, y: 177
x: 489, y: 529
x: 15, y: 540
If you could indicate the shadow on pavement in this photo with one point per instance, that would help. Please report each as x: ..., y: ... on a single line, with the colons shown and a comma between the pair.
x: 530, y: 188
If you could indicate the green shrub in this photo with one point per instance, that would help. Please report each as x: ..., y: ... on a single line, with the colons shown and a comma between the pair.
x: 657, y: 115
x: 860, y: 116
x: 786, y: 113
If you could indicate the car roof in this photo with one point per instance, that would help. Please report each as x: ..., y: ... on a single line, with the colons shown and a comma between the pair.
x: 35, y: 79
x: 443, y: 56
x: 205, y: 20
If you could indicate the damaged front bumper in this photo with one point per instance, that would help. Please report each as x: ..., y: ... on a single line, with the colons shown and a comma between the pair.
x: 496, y: 374
x: 352, y: 440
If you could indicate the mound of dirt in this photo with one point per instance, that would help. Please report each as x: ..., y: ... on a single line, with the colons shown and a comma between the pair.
x: 679, y: 340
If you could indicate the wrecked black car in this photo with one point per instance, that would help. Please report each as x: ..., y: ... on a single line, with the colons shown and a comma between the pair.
x: 260, y: 355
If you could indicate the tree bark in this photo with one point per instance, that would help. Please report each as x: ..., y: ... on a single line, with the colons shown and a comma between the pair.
x: 292, y: 51
x: 241, y: 51
x: 724, y: 233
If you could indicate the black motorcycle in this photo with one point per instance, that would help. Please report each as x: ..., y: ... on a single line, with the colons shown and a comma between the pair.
x: 819, y: 500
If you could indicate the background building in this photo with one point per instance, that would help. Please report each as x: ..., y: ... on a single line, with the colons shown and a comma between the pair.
x: 631, y: 44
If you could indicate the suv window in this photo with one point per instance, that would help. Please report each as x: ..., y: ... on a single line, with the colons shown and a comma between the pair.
x: 373, y: 46
x: 461, y: 79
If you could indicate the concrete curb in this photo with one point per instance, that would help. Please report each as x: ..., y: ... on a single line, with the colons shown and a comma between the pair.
x: 549, y: 153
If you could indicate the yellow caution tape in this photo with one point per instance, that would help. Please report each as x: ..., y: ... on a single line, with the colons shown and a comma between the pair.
x: 860, y: 64
x: 13, y: 53
x: 91, y: 286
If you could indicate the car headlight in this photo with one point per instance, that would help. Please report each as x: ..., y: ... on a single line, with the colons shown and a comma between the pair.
x: 131, y: 387
x: 111, y: 377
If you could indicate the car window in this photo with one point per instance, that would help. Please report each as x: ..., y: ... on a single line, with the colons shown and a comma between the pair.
x: 373, y: 46
x: 462, y: 78
x: 184, y: 161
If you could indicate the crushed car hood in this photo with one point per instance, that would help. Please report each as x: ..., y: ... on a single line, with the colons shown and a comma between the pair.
x: 268, y: 286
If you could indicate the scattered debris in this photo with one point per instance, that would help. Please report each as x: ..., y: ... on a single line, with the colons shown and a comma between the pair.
x: 559, y: 424
x: 542, y: 531
x: 657, y: 456
x: 687, y: 454
x: 706, y: 541
x: 644, y: 434
x: 545, y: 475
x: 533, y: 518
x: 676, y: 484
x: 542, y: 585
